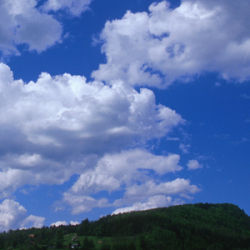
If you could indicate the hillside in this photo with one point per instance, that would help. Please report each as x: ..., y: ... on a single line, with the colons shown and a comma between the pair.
x: 198, y: 226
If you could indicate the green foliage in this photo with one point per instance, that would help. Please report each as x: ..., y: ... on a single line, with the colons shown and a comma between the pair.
x: 197, y: 226
x: 88, y: 244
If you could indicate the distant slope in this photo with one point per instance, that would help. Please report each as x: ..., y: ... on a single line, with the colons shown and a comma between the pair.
x: 196, y: 226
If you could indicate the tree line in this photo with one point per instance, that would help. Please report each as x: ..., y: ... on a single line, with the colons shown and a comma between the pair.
x: 194, y: 226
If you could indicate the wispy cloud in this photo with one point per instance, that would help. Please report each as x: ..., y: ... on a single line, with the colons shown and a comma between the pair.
x: 75, y: 7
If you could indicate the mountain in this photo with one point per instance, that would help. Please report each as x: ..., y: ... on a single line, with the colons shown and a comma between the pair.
x: 194, y: 226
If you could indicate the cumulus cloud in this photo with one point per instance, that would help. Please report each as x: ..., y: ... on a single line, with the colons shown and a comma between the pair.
x: 75, y: 7
x: 13, y: 216
x: 135, y: 173
x: 163, y: 45
x: 114, y: 170
x: 22, y: 23
x: 193, y: 165
x: 60, y: 126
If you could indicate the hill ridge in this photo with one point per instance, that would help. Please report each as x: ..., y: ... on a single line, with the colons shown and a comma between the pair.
x: 189, y: 226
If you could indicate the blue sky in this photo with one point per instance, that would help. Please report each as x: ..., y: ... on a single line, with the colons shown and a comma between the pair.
x: 113, y: 106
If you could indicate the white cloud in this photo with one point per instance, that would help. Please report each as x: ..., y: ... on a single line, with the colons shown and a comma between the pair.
x: 11, y: 215
x: 14, y: 216
x: 64, y: 223
x: 22, y: 23
x: 60, y: 126
x: 164, y: 45
x: 59, y: 223
x: 114, y: 170
x: 74, y: 223
x: 81, y: 203
x: 136, y: 173
x: 151, y: 195
x: 152, y: 202
x: 75, y: 7
x: 193, y: 165
x: 33, y: 221
x: 151, y: 188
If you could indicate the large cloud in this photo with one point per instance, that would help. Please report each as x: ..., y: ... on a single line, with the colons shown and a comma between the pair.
x: 13, y: 216
x: 22, y: 23
x: 164, y: 45
x: 60, y: 126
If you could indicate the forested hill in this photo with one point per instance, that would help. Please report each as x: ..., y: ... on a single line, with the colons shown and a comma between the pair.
x: 196, y: 226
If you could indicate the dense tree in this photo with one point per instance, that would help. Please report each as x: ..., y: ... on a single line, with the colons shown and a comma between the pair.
x: 197, y: 226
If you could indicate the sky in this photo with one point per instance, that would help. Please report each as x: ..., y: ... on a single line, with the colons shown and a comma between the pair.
x: 112, y: 106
